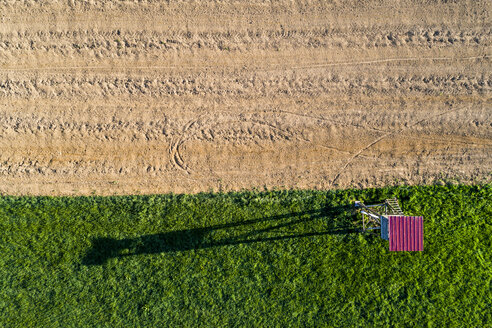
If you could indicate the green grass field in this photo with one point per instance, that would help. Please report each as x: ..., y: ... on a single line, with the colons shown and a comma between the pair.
x: 247, y: 259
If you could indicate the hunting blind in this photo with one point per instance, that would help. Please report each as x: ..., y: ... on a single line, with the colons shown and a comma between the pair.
x: 405, y: 233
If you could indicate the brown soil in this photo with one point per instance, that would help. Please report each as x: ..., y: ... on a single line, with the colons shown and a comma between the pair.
x: 152, y: 97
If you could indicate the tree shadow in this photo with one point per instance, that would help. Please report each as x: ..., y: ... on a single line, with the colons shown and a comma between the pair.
x: 104, y: 249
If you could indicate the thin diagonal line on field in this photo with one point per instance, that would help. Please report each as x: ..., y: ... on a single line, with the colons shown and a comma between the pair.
x: 357, y: 154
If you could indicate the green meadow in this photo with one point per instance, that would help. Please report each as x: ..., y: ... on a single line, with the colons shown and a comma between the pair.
x: 244, y: 259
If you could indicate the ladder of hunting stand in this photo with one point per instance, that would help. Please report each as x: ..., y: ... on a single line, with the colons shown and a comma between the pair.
x: 394, y: 207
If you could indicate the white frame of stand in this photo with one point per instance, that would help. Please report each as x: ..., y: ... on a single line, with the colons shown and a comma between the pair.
x: 373, y: 215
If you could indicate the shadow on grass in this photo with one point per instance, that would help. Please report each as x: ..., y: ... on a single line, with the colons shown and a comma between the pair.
x: 104, y: 249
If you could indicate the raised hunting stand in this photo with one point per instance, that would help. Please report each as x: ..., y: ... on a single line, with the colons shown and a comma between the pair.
x: 405, y: 233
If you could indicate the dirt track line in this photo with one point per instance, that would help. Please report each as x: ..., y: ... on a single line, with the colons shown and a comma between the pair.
x: 366, y: 62
x: 385, y: 136
x: 271, y: 126
x: 334, y: 148
x: 331, y: 121
x: 176, y: 157
x: 455, y: 142
x: 391, y: 60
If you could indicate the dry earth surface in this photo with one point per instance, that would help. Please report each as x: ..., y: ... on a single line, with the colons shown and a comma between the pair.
x: 185, y: 96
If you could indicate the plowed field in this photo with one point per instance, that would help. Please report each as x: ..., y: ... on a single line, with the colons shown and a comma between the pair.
x: 186, y: 96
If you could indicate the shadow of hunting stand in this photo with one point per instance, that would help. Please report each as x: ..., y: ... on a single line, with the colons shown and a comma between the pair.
x: 337, y: 220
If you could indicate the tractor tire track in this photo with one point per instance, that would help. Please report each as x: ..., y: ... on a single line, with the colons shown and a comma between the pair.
x: 154, y: 97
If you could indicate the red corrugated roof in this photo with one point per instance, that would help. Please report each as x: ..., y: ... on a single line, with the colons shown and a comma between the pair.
x: 406, y: 233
